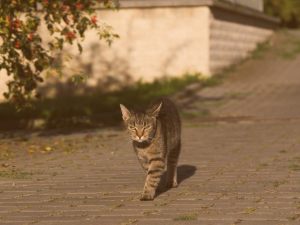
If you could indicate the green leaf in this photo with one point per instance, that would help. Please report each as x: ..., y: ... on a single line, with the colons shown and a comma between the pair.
x: 22, y: 53
x: 79, y: 48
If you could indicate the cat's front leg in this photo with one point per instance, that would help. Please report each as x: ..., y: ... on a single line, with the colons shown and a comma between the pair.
x: 144, y: 162
x: 154, y: 173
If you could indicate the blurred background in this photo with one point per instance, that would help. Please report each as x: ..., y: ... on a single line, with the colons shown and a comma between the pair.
x: 164, y: 47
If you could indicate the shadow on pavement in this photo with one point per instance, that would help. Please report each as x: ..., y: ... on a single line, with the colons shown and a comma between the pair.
x: 183, y: 172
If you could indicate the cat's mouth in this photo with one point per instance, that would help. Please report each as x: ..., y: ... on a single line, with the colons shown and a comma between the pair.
x: 141, y: 140
x: 142, y: 143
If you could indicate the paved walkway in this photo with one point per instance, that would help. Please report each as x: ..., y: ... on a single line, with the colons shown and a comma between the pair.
x: 240, y: 164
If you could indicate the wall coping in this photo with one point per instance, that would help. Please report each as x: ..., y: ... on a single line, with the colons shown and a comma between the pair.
x: 240, y: 9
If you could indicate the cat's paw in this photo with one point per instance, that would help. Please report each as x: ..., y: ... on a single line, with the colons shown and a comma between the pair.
x: 172, y: 184
x: 147, y: 196
x: 175, y: 184
x: 169, y: 185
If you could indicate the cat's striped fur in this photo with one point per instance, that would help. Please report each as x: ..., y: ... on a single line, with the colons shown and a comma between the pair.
x: 155, y: 133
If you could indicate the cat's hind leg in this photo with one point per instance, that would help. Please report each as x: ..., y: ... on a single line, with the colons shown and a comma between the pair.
x: 172, y: 162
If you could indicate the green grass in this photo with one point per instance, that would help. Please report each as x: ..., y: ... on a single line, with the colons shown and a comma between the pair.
x: 195, y: 114
x: 249, y: 210
x: 214, y: 80
x: 283, y: 151
x: 294, y: 217
x: 118, y: 206
x: 260, y: 50
x: 186, y: 217
x: 294, y: 167
x: 130, y: 221
x: 297, y: 158
x: 294, y: 163
x: 95, y: 108
x: 15, y: 174
x: 288, y: 49
x: 277, y: 183
x: 150, y: 212
x: 6, y: 154
x: 263, y: 164
x: 293, y: 51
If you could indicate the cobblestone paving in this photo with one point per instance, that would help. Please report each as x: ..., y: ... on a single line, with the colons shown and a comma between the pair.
x: 240, y: 164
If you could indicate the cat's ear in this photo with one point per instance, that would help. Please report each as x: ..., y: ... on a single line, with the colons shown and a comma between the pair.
x: 156, y: 109
x: 125, y: 112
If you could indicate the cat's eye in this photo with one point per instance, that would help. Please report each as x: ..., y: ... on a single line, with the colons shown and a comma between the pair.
x: 147, y: 127
x: 131, y: 127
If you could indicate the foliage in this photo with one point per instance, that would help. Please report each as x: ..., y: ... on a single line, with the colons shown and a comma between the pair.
x: 14, y: 174
x: 287, y: 10
x: 292, y: 47
x: 23, y: 52
x: 260, y: 50
x: 96, y: 109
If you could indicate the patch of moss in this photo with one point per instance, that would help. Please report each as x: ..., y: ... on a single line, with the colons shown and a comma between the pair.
x: 186, y: 217
x: 15, y: 174
x: 294, y: 167
x: 260, y: 50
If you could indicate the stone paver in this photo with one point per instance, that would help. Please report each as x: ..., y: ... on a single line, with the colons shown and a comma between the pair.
x: 240, y: 164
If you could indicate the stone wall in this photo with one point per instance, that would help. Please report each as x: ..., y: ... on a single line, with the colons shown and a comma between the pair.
x: 254, y: 4
x: 233, y: 37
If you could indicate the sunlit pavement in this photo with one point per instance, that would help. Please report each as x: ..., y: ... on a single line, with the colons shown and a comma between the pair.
x: 240, y: 163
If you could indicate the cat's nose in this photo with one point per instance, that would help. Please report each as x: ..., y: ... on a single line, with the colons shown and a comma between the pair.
x: 140, y: 133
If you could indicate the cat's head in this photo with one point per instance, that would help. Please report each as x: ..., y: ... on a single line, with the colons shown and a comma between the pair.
x: 141, y: 125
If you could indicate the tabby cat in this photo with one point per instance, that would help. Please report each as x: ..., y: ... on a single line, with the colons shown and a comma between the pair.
x: 155, y: 134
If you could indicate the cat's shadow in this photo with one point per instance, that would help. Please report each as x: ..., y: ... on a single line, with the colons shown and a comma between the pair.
x: 183, y: 172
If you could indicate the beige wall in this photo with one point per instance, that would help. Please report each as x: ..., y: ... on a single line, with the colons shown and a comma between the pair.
x: 157, y: 42
x: 3, y: 87
x: 153, y: 42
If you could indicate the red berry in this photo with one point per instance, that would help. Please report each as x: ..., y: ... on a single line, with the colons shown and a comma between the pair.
x: 17, y: 23
x: 30, y: 37
x: 94, y: 19
x: 65, y: 8
x: 17, y: 44
x: 79, y: 6
x: 70, y: 35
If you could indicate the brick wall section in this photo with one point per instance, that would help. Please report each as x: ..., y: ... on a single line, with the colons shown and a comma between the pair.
x: 233, y: 37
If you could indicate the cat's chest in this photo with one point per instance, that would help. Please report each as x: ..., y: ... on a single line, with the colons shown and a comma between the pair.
x: 143, y: 155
